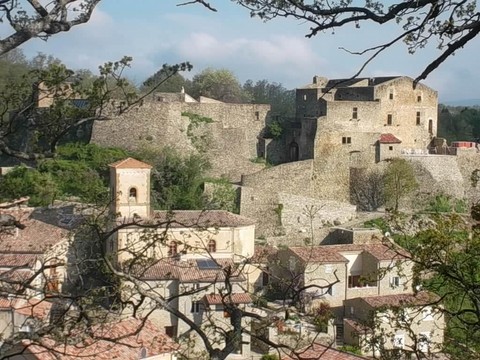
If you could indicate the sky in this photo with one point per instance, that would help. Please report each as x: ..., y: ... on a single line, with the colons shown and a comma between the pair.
x: 155, y: 32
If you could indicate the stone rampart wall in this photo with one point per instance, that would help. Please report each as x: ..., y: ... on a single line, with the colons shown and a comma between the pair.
x: 259, y: 197
x: 438, y: 174
x: 230, y: 142
x: 300, y: 213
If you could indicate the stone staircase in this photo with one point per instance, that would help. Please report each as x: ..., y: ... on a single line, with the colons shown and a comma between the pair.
x: 339, y: 335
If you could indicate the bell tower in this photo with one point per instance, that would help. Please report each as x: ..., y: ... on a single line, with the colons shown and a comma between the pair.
x: 130, y: 188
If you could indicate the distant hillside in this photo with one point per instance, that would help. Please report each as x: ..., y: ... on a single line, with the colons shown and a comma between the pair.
x: 469, y: 102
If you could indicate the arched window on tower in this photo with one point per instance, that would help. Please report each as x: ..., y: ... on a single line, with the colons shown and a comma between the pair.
x: 172, y: 249
x: 212, y: 246
x: 132, y: 194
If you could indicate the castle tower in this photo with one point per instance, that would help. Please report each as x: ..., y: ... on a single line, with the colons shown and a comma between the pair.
x: 130, y: 188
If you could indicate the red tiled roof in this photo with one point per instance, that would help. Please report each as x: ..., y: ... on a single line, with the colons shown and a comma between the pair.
x: 201, y: 218
x: 333, y: 253
x: 263, y: 253
x: 120, y: 341
x: 238, y: 298
x: 322, y: 254
x: 399, y: 300
x: 321, y: 352
x: 389, y: 139
x: 17, y: 260
x: 42, y: 231
x: 188, y: 271
x: 36, y: 308
x: 361, y: 328
x: 130, y: 163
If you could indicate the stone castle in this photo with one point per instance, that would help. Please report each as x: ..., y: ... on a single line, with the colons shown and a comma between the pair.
x: 341, y: 127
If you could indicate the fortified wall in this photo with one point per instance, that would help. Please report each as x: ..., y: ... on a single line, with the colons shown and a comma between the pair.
x: 226, y: 133
x: 284, y: 202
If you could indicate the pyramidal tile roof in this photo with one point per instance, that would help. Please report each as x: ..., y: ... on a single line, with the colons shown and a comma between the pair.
x: 130, y: 163
x: 389, y: 139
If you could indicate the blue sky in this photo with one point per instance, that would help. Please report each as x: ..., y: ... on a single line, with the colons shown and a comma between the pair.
x: 154, y: 32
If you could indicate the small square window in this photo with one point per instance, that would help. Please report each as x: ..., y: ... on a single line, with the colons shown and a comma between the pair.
x: 196, y: 305
x: 390, y: 148
x: 419, y: 98
x: 390, y: 95
x: 389, y: 119
x: 394, y: 281
x: 346, y: 140
x: 355, y: 113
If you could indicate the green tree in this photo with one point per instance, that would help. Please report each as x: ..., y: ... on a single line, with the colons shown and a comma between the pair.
x: 74, y: 103
x: 165, y: 83
x: 399, y: 181
x: 264, y: 92
x: 447, y: 262
x: 176, y: 180
x: 218, y: 84
x: 22, y: 181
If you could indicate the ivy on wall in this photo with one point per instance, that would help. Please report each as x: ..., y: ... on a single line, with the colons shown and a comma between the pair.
x: 201, y: 142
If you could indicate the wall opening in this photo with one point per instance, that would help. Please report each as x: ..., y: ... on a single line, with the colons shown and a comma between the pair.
x: 430, y: 127
x: 132, y: 194
x: 294, y: 151
x: 389, y: 119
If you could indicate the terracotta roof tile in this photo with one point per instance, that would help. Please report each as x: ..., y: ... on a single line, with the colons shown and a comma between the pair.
x: 238, y: 298
x: 263, y: 253
x: 188, y: 271
x: 130, y: 163
x: 322, y: 352
x: 39, y: 309
x: 389, y: 139
x: 333, y: 253
x: 17, y: 260
x: 322, y: 254
x: 43, y: 229
x: 361, y: 328
x: 201, y: 218
x: 399, y: 300
x: 120, y: 341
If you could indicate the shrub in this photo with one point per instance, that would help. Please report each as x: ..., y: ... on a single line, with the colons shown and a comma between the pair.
x: 23, y: 181
x: 351, y: 349
x: 274, y: 130
x: 269, y: 357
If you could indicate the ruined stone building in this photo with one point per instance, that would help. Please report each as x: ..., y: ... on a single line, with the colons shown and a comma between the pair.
x: 348, y: 124
x: 227, y: 134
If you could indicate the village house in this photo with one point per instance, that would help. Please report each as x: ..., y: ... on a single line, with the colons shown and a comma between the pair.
x: 389, y: 323
x: 363, y: 284
x: 127, y: 339
x: 195, y: 260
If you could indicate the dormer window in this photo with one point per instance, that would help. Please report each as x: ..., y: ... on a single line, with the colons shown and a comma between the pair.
x: 132, y: 194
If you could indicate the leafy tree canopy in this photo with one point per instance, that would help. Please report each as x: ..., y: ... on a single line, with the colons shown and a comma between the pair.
x: 218, y: 84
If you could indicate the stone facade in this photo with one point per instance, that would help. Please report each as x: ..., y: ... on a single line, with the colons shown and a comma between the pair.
x: 342, y: 122
x: 229, y: 138
x: 187, y: 255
